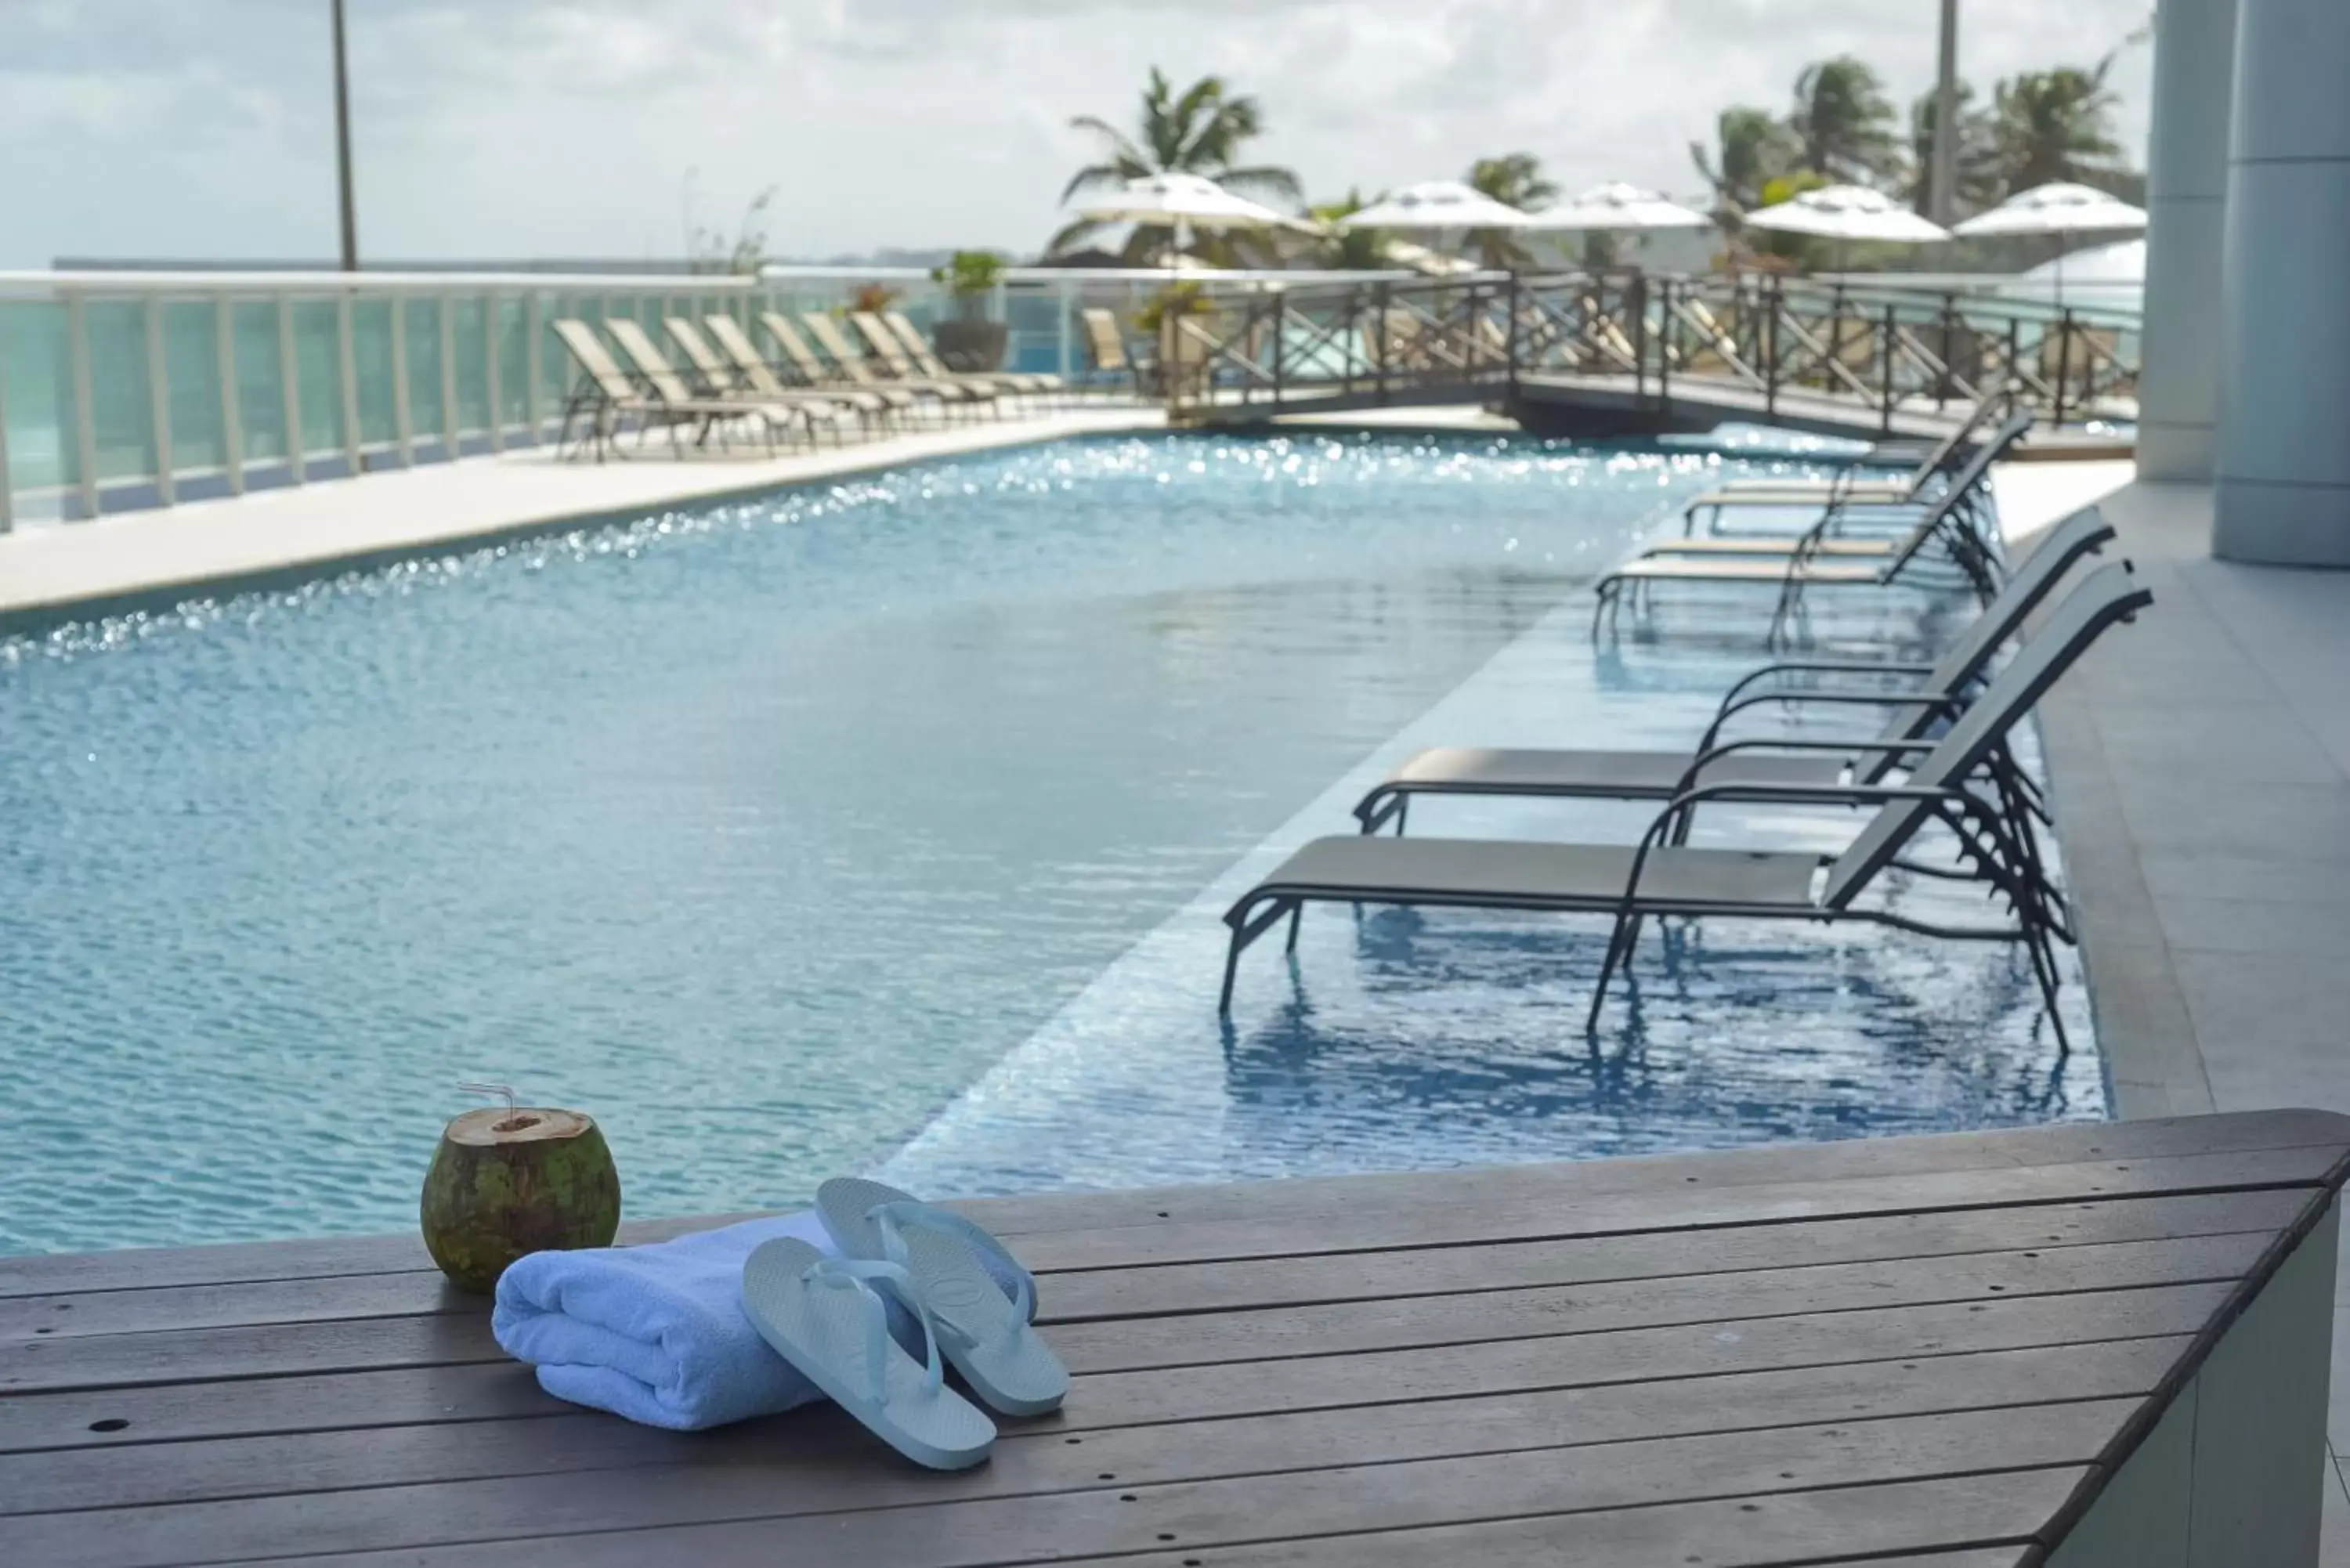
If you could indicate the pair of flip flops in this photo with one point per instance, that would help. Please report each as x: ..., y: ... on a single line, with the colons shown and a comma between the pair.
x: 831, y: 1318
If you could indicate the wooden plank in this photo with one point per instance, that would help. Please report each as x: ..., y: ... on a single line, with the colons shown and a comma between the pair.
x: 1772, y: 1165
x: 1151, y: 1290
x: 148, y: 1267
x: 1776, y: 1529
x: 1197, y: 1287
x: 1895, y: 1336
x: 129, y: 1360
x: 1340, y: 1328
x: 1102, y: 1519
x: 819, y: 1450
x: 259, y: 1406
x: 1527, y: 1218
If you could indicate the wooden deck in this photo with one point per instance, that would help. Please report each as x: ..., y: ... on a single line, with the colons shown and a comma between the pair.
x: 1862, y: 1351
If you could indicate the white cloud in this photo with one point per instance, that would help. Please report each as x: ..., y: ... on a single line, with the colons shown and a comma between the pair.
x: 491, y: 129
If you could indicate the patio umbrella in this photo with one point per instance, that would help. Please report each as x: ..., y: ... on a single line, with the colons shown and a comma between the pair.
x: 1616, y: 208
x: 1437, y: 205
x: 2062, y: 208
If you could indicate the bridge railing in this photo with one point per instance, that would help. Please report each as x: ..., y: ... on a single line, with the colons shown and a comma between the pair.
x: 1795, y: 347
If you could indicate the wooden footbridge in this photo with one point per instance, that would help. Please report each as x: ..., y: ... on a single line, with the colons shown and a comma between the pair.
x: 1600, y: 354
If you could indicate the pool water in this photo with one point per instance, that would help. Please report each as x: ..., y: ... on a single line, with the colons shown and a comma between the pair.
x: 885, y: 824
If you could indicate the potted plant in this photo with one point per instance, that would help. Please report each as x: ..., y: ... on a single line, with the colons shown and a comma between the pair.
x: 970, y: 341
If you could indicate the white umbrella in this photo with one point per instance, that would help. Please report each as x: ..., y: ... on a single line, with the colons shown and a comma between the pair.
x: 1617, y: 206
x: 1436, y: 204
x: 1848, y: 213
x: 2061, y: 209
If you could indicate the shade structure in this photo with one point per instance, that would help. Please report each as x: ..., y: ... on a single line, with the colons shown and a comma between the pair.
x: 1437, y: 205
x: 1179, y: 200
x: 1849, y: 212
x: 1616, y: 206
x: 2059, y: 208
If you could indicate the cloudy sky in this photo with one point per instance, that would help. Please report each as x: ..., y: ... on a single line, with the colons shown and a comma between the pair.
x: 488, y: 128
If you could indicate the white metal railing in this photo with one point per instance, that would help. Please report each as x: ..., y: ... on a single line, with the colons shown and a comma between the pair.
x: 128, y: 389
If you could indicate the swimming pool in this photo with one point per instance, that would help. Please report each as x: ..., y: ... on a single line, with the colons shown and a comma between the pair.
x: 881, y: 824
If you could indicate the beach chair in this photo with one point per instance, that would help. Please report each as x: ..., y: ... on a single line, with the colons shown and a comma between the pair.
x: 605, y: 395
x: 1839, y: 514
x: 1926, y: 696
x: 715, y: 377
x: 669, y: 388
x: 1954, y: 532
x: 1912, y: 486
x: 883, y: 344
x: 1106, y: 346
x: 893, y: 401
x: 852, y: 364
x: 756, y: 379
x: 1027, y: 383
x: 1965, y: 785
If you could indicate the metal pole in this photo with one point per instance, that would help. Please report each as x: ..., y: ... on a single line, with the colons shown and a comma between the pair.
x: 343, y: 148
x: 232, y: 417
x: 1942, y: 177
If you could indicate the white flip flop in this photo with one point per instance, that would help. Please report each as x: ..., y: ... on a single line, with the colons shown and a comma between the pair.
x: 959, y: 1274
x: 828, y: 1318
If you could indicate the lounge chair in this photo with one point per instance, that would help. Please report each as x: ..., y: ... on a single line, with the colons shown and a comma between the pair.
x: 607, y: 394
x: 852, y: 364
x: 892, y: 400
x: 755, y: 378
x: 719, y: 378
x: 1848, y: 487
x: 1843, y: 508
x: 884, y: 345
x: 1028, y: 383
x: 1935, y: 693
x: 1106, y: 346
x: 1954, y: 531
x: 669, y: 387
x: 1662, y: 876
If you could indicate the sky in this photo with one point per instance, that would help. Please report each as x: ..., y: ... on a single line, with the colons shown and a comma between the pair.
x: 508, y: 129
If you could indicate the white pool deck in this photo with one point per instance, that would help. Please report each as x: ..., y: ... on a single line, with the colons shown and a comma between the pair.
x: 2201, y: 764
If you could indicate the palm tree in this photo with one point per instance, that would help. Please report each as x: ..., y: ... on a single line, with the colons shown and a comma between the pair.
x: 1514, y: 179
x: 2057, y: 125
x: 1197, y: 131
x: 1755, y: 150
x: 1977, y: 163
x: 1844, y: 123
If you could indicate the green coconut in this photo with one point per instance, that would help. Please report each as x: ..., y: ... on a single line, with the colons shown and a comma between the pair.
x: 507, y: 1182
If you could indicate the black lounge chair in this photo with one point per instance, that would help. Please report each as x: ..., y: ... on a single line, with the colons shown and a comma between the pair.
x: 1967, y: 783
x: 1953, y: 533
x: 1941, y: 690
x: 1926, y: 467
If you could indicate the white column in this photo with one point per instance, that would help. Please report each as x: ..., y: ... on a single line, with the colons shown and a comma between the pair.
x: 2281, y: 478
x: 2187, y: 189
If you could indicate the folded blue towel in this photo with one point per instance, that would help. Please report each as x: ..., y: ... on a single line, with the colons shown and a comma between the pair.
x: 657, y: 1334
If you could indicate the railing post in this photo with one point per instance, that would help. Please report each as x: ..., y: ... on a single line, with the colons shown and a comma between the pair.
x: 1665, y: 346
x: 1884, y: 420
x: 159, y: 400
x: 1776, y: 300
x: 85, y: 408
x: 349, y: 370
x: 492, y: 324
x: 2064, y: 361
x: 232, y: 416
x: 289, y: 376
x: 403, y: 424
x: 534, y: 327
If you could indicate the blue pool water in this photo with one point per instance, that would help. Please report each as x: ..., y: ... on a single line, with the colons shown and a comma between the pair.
x: 886, y: 824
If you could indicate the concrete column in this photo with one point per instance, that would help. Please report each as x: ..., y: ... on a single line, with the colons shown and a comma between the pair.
x: 2283, y: 476
x: 2187, y: 190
